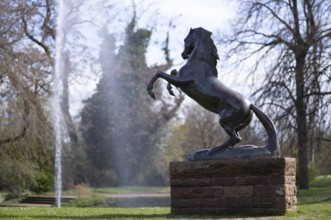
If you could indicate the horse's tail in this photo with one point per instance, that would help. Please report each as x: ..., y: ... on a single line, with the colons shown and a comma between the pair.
x: 272, y: 145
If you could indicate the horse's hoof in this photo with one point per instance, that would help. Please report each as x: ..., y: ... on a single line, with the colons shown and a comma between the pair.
x: 169, y: 88
x: 190, y: 156
x: 171, y: 92
x: 173, y: 72
x: 214, y: 150
x: 198, y: 155
x: 151, y: 94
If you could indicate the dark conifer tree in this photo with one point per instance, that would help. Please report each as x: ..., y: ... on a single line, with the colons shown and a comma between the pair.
x: 119, y: 124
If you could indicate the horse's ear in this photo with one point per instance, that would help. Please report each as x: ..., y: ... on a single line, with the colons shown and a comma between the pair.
x: 191, y: 30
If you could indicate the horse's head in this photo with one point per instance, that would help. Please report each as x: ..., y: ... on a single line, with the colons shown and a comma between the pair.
x: 188, y: 44
x: 195, y: 35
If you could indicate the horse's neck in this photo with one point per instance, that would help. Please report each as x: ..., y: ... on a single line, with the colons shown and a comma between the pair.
x: 202, y: 53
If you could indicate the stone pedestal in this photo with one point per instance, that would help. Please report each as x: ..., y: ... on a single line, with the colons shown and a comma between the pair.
x: 252, y: 186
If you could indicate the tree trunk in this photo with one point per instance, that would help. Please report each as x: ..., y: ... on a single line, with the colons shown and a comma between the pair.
x: 65, y: 103
x: 300, y: 52
x: 301, y: 119
x: 71, y: 158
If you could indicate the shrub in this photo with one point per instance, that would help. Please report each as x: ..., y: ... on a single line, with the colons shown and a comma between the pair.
x: 89, y: 201
x: 44, y: 182
x: 16, y: 176
x: 82, y: 190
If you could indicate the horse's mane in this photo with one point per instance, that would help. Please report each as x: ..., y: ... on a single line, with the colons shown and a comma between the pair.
x: 208, y: 46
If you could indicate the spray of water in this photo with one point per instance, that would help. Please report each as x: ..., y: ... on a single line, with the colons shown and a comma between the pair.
x: 56, y: 109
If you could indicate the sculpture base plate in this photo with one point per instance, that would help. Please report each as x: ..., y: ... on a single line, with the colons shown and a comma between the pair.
x: 240, y: 152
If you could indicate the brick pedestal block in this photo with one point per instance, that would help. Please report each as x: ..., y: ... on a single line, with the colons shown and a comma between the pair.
x: 253, y: 186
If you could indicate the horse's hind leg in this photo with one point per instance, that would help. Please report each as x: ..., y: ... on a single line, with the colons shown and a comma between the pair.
x: 233, y: 139
x: 231, y: 131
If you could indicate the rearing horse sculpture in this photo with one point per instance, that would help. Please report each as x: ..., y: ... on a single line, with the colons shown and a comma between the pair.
x: 198, y: 79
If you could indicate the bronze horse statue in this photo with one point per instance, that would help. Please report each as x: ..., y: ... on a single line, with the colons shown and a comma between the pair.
x: 198, y: 79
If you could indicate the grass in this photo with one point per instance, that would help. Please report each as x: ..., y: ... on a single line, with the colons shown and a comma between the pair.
x: 83, y: 213
x: 91, y: 201
x: 306, y: 212
x: 130, y: 189
x: 315, y: 211
x: 319, y: 191
x: 115, y: 190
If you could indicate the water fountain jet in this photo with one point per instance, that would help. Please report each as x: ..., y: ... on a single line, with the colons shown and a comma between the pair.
x: 56, y: 99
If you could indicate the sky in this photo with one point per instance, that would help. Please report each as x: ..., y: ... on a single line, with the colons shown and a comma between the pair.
x: 212, y: 15
x: 209, y: 14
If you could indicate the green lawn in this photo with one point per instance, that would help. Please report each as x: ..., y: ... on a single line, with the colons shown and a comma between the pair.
x: 315, y: 211
x: 83, y: 213
x: 319, y: 191
x: 141, y: 189
x: 307, y: 211
x: 321, y: 186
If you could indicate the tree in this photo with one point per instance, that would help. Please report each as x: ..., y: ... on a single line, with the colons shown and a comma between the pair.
x: 38, y: 19
x: 200, y: 129
x: 25, y: 148
x: 118, y: 124
x: 292, y: 39
x: 204, y: 129
x: 27, y: 44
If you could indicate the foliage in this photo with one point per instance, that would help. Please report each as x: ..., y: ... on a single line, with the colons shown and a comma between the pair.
x: 44, y: 181
x: 16, y: 176
x: 82, y: 190
x: 37, y: 19
x: 25, y: 133
x: 90, y: 201
x: 198, y: 130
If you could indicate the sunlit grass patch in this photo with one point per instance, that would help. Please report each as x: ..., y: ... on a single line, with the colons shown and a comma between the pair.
x: 307, y: 211
x: 84, y: 213
x: 132, y: 189
x: 315, y: 211
x: 319, y: 191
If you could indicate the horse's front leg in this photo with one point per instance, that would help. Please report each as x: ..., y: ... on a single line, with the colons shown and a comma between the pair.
x: 169, y: 87
x: 174, y: 80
